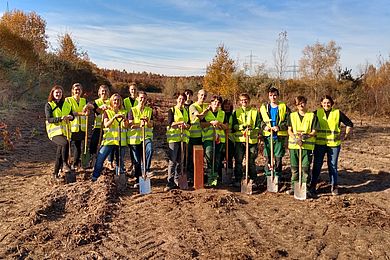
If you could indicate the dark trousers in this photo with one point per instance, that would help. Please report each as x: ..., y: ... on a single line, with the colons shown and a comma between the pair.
x: 94, y: 142
x: 77, y: 139
x: 240, y: 151
x: 62, y: 152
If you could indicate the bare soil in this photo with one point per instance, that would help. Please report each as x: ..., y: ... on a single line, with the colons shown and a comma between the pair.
x: 40, y: 219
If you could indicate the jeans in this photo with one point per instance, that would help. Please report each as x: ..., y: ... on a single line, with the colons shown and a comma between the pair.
x: 62, y: 152
x: 332, y: 154
x: 174, y: 165
x: 104, y: 152
x: 136, y: 150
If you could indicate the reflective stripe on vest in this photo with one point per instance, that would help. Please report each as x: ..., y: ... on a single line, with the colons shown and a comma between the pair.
x: 196, y: 129
x: 329, y: 132
x: 134, y: 136
x: 266, y: 118
x: 98, y: 116
x: 54, y: 129
x: 79, y: 121
x: 174, y: 134
x: 246, y: 118
x: 208, y: 132
x: 111, y: 134
x: 303, y: 127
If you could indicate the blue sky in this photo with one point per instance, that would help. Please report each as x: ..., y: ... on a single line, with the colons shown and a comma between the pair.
x: 180, y: 37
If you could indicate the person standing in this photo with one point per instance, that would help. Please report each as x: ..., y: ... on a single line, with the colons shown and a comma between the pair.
x: 214, y: 125
x: 189, y: 93
x: 141, y: 116
x: 99, y: 106
x: 177, y: 132
x: 246, y: 121
x: 197, y: 112
x: 328, y: 142
x: 78, y: 125
x: 227, y: 106
x: 275, y: 115
x: 301, y: 131
x: 58, y: 114
x: 112, y: 117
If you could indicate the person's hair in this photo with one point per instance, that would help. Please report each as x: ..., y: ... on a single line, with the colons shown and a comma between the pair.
x: 178, y: 94
x: 112, y: 100
x: 227, y: 101
x: 133, y: 84
x: 104, y: 87
x: 328, y: 97
x: 245, y: 95
x: 189, y: 91
x: 272, y: 89
x: 51, y: 97
x: 300, y: 99
x: 142, y: 92
x: 216, y: 97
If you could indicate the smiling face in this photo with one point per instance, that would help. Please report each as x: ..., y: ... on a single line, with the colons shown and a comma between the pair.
x: 215, y: 104
x: 273, y: 97
x: 326, y: 104
x: 180, y: 100
x: 57, y: 94
x: 142, y: 98
x: 76, y: 91
x: 202, y: 95
x: 116, y: 102
x: 244, y: 101
x: 133, y: 90
x: 103, y: 92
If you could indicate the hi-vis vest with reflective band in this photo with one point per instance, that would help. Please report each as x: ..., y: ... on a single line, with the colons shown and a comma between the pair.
x: 79, y: 121
x: 134, y: 136
x: 111, y: 134
x: 54, y: 129
x: 247, y: 118
x: 174, y: 134
x: 208, y: 132
x: 266, y: 118
x: 196, y: 129
x: 98, y: 117
x: 128, y: 105
x: 329, y: 132
x: 303, y: 127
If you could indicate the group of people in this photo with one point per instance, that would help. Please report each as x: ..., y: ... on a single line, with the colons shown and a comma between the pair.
x: 223, y: 132
x: 119, y: 123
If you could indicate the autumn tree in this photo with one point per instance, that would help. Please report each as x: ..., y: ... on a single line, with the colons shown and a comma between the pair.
x: 319, y: 62
x: 68, y: 50
x: 29, y: 26
x: 219, y: 78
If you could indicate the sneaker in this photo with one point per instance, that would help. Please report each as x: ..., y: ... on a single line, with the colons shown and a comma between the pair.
x: 136, y: 185
x: 290, y: 192
x: 93, y: 179
x: 335, y: 191
x: 312, y: 194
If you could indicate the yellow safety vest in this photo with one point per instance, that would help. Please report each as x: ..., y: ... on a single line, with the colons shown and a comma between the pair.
x: 246, y: 118
x: 111, y: 134
x: 329, y: 132
x: 208, y: 132
x: 196, y: 129
x: 79, y: 121
x: 282, y: 108
x: 174, y: 134
x: 128, y: 105
x: 98, y: 116
x: 303, y: 127
x: 134, y: 136
x: 54, y: 129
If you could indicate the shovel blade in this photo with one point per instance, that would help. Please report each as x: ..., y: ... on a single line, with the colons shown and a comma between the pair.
x: 272, y: 183
x: 183, y: 182
x: 247, y: 186
x: 120, y: 181
x: 300, y: 191
x: 70, y: 177
x: 85, y: 160
x: 227, y: 175
x: 144, y: 186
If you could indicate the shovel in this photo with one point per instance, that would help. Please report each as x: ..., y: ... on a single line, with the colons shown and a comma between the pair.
x: 226, y: 174
x: 273, y: 180
x: 120, y: 178
x: 86, y: 156
x: 69, y: 176
x: 183, y: 182
x: 246, y: 183
x: 144, y: 181
x: 299, y: 187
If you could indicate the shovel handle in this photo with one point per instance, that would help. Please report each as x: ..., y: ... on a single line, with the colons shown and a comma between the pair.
x: 86, y: 135
x: 300, y: 166
x: 272, y: 154
x: 246, y: 154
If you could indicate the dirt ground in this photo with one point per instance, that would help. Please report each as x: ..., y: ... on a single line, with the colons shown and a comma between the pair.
x: 83, y: 220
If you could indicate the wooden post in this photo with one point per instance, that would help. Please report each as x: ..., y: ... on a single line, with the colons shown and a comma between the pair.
x: 198, y: 166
